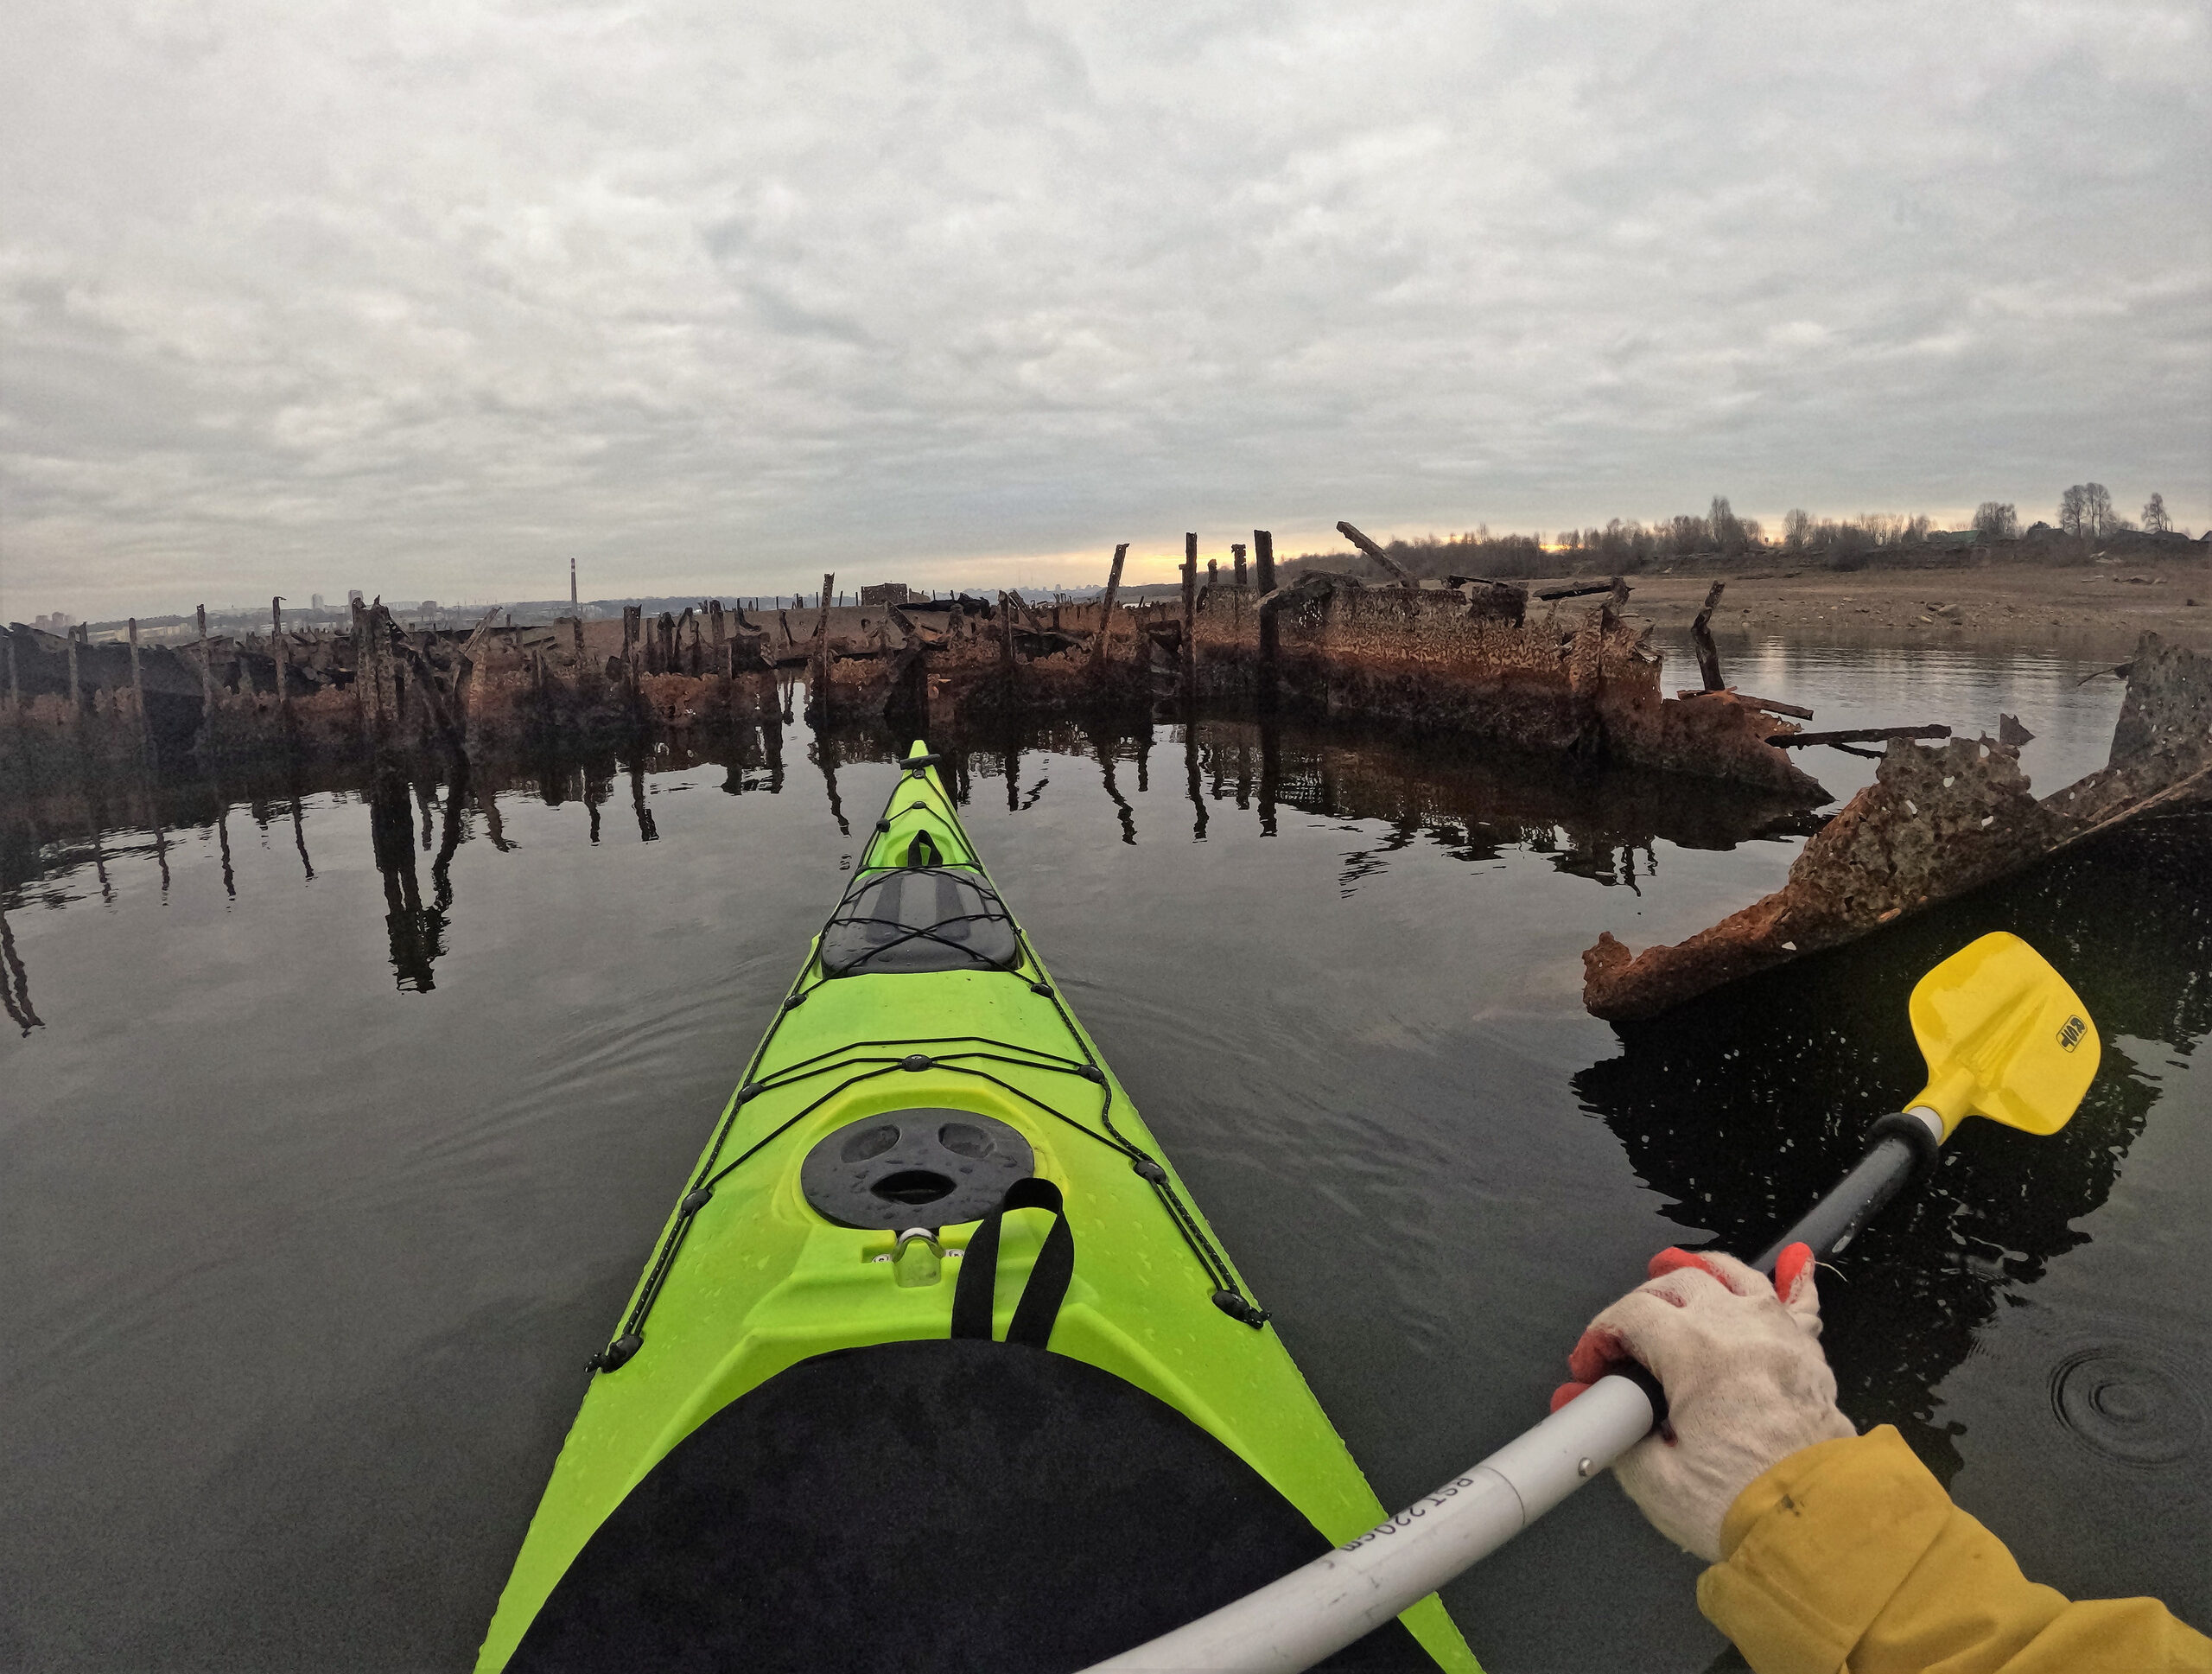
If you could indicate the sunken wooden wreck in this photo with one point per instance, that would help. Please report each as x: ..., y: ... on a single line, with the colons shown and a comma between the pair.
x: 1482, y: 660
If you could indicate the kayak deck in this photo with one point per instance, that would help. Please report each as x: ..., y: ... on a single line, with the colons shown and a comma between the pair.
x: 925, y: 1036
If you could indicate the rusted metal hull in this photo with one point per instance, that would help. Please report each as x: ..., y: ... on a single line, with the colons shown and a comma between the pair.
x: 1936, y: 823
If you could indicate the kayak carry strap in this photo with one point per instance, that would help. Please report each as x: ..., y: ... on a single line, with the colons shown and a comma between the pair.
x: 976, y: 1293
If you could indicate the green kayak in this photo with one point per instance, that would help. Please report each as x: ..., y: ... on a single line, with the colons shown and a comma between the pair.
x: 935, y: 1365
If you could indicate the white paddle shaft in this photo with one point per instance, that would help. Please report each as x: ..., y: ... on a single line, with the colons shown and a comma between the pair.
x: 1295, y: 1622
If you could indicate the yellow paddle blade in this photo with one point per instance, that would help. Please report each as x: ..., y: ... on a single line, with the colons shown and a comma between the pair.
x: 2004, y: 1036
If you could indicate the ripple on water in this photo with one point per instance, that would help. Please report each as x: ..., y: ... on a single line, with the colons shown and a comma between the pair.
x: 2124, y: 1406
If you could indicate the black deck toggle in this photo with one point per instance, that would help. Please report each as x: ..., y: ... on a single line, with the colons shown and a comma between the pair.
x: 617, y: 1353
x: 1239, y: 1309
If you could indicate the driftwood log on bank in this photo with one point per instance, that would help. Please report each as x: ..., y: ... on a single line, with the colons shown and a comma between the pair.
x: 1935, y: 824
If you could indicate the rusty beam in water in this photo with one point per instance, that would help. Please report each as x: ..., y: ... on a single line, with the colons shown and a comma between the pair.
x: 1270, y: 641
x: 1936, y: 823
x: 1406, y: 578
x: 1190, y: 617
x: 1106, y: 609
x: 1709, y: 654
x: 1798, y: 740
x: 1580, y: 589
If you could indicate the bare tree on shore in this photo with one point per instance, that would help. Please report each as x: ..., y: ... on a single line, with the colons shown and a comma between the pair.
x: 1996, y: 519
x: 2085, y: 511
x: 2155, y: 519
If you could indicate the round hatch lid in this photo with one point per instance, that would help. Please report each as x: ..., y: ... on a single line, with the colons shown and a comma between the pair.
x: 918, y: 1167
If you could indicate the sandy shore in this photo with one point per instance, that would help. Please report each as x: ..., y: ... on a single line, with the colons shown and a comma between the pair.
x: 2093, y: 610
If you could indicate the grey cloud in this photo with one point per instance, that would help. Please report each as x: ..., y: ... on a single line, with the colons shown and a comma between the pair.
x: 428, y: 298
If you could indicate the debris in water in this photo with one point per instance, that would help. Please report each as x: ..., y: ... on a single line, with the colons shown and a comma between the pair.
x: 1936, y: 823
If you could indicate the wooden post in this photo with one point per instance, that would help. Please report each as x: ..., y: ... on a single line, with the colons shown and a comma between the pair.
x: 1264, y: 555
x: 360, y: 662
x: 76, y: 702
x: 138, y: 679
x: 207, y: 676
x: 277, y: 650
x: 1106, y: 610
x: 1006, y: 633
x: 465, y: 697
x: 387, y: 676
x: 573, y: 609
x: 1237, y: 556
x: 15, y: 683
x: 1709, y: 654
x: 820, y: 674
x: 1406, y: 578
x: 1190, y: 617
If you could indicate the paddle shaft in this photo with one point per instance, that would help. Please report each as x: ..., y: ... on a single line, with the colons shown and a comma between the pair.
x: 1831, y: 1223
x: 1295, y: 1622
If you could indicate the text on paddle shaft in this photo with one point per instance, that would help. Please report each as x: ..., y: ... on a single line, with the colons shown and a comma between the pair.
x: 1405, y: 1520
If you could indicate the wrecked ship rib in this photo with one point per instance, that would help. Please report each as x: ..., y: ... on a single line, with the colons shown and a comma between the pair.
x: 1936, y: 823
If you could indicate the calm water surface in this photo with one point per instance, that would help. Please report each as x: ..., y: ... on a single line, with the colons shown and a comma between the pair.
x: 335, y: 1130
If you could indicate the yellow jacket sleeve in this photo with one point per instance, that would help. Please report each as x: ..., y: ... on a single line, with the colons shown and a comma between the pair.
x: 1848, y: 1556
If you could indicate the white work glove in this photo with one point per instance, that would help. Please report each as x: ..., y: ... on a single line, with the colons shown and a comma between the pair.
x: 1746, y: 1380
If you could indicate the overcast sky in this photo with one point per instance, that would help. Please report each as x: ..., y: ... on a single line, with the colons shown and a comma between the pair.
x: 427, y: 298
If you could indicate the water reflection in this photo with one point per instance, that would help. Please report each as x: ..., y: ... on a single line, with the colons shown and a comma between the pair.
x: 647, y: 832
x: 416, y: 932
x: 1473, y: 805
x: 299, y: 840
x: 1744, y: 1109
x: 1392, y: 1070
x: 14, y: 981
x: 825, y: 757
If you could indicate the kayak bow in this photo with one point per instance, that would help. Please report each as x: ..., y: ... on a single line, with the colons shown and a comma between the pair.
x: 936, y: 1364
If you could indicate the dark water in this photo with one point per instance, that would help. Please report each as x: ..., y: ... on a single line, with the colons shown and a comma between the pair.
x: 343, y: 1126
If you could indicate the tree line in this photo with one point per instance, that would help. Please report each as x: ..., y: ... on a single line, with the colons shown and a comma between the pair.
x: 1624, y: 546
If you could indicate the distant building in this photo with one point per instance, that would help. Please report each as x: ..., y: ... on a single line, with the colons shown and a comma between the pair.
x: 314, y: 600
x: 352, y: 596
x: 890, y: 593
x: 57, y: 623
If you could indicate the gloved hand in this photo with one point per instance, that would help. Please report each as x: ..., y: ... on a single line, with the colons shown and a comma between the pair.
x: 1746, y: 1383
